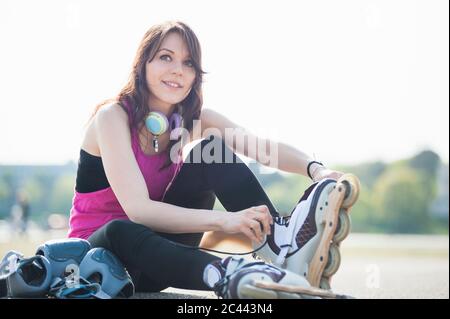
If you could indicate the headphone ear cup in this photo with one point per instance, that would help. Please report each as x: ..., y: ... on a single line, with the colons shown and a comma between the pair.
x: 175, y: 121
x: 175, y: 126
x: 156, y: 123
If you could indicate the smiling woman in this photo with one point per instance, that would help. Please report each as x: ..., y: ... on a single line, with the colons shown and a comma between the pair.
x: 135, y: 199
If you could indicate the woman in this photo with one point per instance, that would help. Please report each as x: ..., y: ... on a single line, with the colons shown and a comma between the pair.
x: 135, y: 198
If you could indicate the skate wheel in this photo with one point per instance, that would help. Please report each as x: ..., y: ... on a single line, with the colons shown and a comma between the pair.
x: 343, y: 226
x: 334, y: 261
x: 352, y: 187
x: 325, y: 283
x: 252, y: 292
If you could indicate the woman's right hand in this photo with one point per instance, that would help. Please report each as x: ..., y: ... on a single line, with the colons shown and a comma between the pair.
x: 254, y: 222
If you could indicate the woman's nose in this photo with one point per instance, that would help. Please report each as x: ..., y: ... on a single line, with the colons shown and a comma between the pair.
x: 177, y: 68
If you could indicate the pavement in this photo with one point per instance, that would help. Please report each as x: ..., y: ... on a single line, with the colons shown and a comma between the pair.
x: 373, y: 266
x: 377, y: 267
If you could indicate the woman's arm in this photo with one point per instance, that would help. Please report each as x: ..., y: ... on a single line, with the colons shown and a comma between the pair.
x: 265, y: 151
x: 167, y: 218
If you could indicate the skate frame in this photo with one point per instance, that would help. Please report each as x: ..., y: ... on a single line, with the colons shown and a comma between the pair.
x: 330, y: 218
x: 310, y: 291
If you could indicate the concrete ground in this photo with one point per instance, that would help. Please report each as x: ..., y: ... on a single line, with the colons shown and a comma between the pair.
x: 378, y: 267
x: 372, y: 266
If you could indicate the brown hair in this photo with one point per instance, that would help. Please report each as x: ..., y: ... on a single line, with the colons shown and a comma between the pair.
x: 136, y: 91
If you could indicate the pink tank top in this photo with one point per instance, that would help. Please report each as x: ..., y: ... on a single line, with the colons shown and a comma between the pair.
x: 92, y: 210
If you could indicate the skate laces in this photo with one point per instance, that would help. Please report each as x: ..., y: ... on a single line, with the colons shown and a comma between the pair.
x: 282, y: 220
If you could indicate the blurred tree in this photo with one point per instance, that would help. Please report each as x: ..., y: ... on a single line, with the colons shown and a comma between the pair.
x: 400, y: 201
x: 285, y: 193
x: 36, y: 192
x: 368, y: 173
x: 4, y: 190
x: 426, y: 161
x: 61, y: 195
x: 7, y: 184
x: 363, y: 213
x: 4, y: 194
x: 34, y: 189
x: 426, y: 164
x: 46, y: 179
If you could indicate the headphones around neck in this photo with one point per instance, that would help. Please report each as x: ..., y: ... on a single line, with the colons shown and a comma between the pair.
x: 157, y: 124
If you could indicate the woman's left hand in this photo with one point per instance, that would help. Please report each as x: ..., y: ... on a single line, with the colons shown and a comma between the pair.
x: 326, y: 173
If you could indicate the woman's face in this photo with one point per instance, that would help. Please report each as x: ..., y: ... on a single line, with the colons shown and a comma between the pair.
x: 170, y: 74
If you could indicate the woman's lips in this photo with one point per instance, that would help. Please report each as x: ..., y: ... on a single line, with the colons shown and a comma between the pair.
x: 172, y: 85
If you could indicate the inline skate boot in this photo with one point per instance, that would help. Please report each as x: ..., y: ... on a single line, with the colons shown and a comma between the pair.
x: 307, y: 241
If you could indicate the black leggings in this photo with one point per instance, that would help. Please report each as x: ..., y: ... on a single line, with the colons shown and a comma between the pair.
x: 153, y: 260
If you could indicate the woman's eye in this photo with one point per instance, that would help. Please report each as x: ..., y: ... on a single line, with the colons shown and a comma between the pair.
x: 165, y: 57
x: 168, y: 58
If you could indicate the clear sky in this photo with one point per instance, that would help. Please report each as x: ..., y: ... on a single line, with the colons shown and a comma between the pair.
x: 348, y: 81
